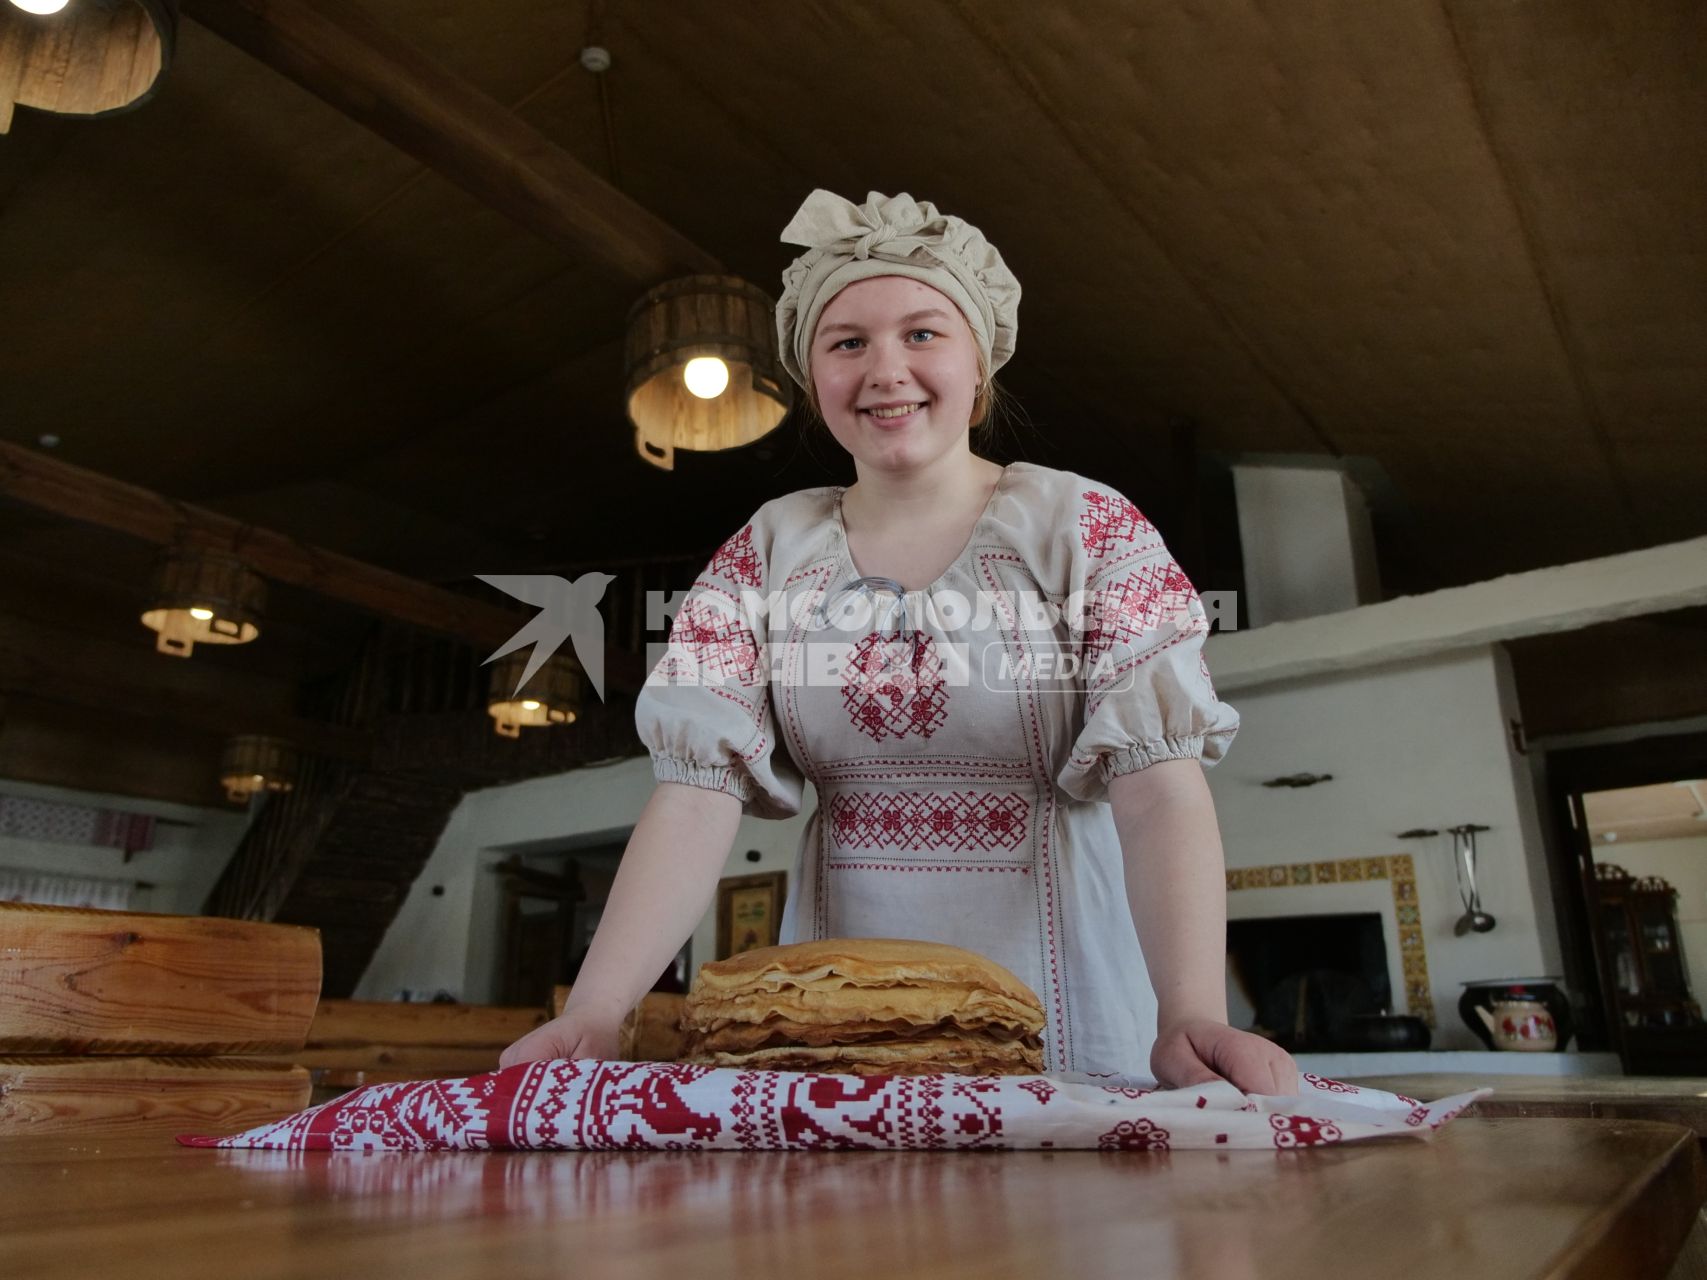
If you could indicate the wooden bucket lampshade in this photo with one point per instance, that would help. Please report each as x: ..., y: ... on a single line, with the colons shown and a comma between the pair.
x: 83, y: 57
x: 726, y: 328
x: 204, y: 597
x: 253, y: 763
x: 553, y: 696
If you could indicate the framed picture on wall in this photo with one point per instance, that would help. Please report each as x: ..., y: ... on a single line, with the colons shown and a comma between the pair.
x: 749, y: 912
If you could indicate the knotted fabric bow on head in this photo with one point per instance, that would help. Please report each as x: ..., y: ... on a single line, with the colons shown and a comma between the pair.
x: 891, y: 236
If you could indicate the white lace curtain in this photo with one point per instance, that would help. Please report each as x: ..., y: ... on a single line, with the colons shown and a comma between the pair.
x: 64, y: 891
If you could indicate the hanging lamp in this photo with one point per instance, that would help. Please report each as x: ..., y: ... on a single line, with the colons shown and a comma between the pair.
x: 85, y: 58
x: 701, y: 367
x: 553, y: 696
x: 253, y: 763
x: 204, y: 597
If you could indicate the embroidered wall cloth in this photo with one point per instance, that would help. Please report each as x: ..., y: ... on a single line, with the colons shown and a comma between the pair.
x: 591, y: 1105
x: 60, y: 823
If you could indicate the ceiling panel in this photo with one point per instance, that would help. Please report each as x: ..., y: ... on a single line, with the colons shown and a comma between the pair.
x: 1461, y: 243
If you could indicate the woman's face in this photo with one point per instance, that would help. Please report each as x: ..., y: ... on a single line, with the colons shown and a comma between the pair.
x: 895, y: 368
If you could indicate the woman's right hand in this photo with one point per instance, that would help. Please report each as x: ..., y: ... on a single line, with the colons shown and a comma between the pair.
x: 663, y: 885
x: 577, y: 1033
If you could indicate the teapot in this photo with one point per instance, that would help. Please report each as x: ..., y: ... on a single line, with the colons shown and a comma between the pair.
x: 1524, y: 1025
x: 1484, y: 993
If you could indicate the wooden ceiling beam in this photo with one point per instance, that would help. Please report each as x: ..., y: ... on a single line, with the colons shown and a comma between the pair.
x: 342, y: 56
x: 92, y: 498
x: 87, y: 496
x: 90, y: 683
x: 27, y: 679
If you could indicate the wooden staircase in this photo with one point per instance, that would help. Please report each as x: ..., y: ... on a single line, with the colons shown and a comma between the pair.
x: 341, y: 850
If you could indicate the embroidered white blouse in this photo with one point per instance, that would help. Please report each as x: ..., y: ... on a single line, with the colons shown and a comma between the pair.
x: 960, y: 737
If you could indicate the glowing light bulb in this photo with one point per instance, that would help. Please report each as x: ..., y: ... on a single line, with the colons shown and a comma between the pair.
x: 202, y: 615
x: 40, y: 6
x: 706, y: 376
x: 530, y: 705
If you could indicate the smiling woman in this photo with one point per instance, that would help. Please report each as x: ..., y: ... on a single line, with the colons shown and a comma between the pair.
x: 895, y: 393
x: 1045, y: 822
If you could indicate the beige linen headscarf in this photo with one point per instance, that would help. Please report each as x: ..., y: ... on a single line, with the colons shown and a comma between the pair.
x: 891, y: 236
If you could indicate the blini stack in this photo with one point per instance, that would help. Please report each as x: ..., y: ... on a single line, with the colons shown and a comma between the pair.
x: 866, y: 1006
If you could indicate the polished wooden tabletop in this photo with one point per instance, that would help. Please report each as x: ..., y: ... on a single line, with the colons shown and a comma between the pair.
x: 1505, y: 1198
x: 1673, y: 1099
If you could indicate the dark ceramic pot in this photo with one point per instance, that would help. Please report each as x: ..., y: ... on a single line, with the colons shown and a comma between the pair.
x: 1549, y: 993
x: 1383, y: 1033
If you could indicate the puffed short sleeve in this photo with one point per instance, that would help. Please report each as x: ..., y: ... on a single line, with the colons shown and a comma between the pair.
x: 1140, y: 628
x: 705, y: 712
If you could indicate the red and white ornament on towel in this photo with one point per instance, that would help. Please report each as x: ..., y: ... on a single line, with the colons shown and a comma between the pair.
x: 590, y: 1105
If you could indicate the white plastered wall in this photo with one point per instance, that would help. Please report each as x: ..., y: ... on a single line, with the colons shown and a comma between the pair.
x: 1307, y: 542
x: 1416, y: 744
x: 449, y: 941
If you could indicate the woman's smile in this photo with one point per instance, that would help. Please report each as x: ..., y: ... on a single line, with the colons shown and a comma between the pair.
x: 892, y: 417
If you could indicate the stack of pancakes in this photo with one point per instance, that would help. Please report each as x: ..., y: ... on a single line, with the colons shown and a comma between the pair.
x: 868, y: 1006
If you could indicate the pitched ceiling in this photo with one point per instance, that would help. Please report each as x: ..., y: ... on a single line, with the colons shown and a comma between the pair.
x: 1464, y: 245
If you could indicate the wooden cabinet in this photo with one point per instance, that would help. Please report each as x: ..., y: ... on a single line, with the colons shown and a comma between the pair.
x: 1656, y: 1019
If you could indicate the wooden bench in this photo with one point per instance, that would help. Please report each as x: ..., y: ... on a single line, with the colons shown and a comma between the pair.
x: 127, y: 1021
x: 352, y: 1043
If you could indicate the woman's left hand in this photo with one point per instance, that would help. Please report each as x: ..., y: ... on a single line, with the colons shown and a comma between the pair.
x: 1201, y: 1049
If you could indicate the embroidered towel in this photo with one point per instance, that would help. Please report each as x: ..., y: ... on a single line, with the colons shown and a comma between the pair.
x: 591, y: 1105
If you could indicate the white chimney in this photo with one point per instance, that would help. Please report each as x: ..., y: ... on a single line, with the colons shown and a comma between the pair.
x: 1308, y: 546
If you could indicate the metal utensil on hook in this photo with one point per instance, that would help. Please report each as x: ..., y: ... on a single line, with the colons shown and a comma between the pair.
x: 1464, y: 863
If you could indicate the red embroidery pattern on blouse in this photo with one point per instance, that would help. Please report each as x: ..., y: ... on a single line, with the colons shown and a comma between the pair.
x: 1059, y: 1047
x: 719, y: 642
x: 736, y: 560
x: 1151, y: 596
x: 973, y: 869
x: 1109, y: 518
x: 961, y: 821
x: 894, y: 687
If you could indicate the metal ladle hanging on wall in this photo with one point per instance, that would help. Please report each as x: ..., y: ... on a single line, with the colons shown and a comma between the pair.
x: 1464, y: 863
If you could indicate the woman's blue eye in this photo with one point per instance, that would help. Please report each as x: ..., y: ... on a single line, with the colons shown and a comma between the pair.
x: 843, y: 344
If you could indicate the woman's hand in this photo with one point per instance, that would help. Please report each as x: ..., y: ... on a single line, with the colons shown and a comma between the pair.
x: 1200, y: 1050
x: 578, y: 1033
x: 664, y: 884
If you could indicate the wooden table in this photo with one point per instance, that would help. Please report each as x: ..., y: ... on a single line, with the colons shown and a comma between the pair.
x: 1675, y: 1100
x: 1505, y: 1198
x: 1671, y: 1100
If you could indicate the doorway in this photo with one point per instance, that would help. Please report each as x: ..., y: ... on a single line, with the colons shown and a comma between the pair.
x: 551, y: 906
x: 1632, y: 889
